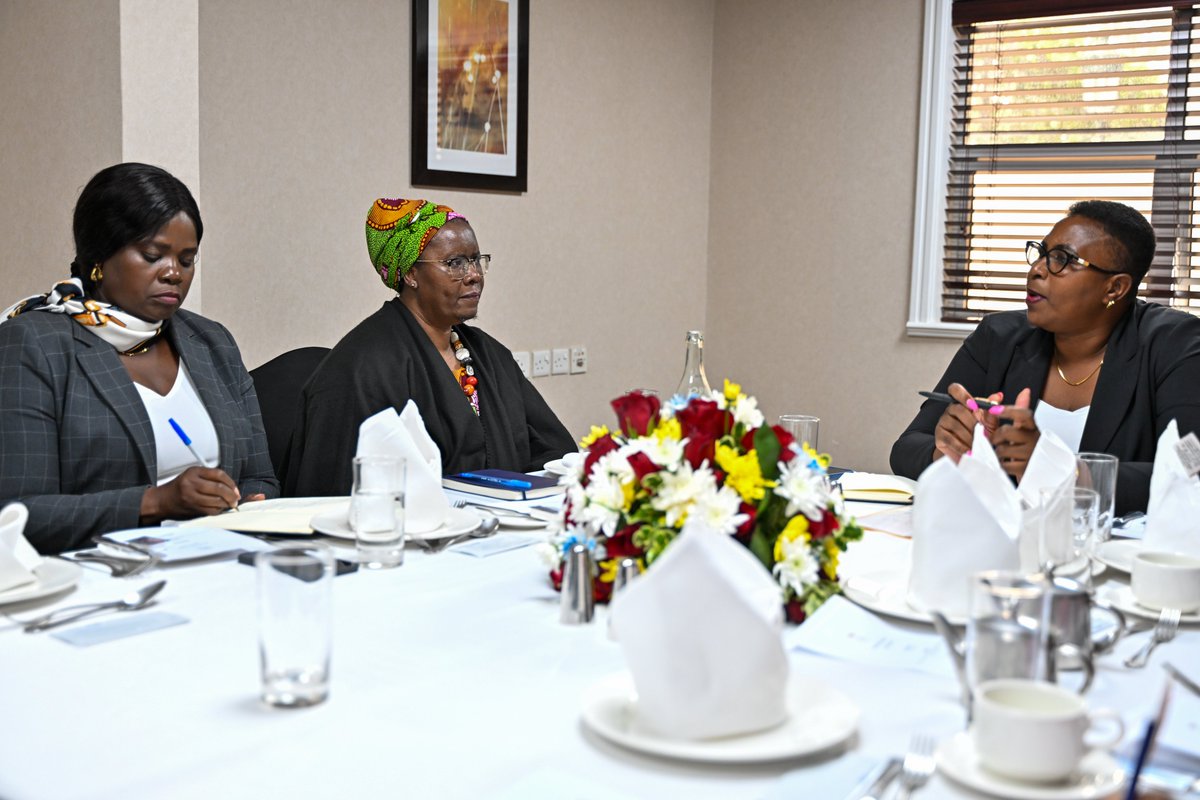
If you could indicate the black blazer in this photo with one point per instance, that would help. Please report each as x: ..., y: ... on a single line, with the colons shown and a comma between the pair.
x: 76, y: 445
x: 1151, y: 375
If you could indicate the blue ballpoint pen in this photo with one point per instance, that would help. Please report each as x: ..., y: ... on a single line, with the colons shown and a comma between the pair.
x: 505, y: 482
x: 187, y: 442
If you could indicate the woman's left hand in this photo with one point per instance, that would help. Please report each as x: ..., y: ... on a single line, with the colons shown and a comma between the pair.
x: 1014, y: 443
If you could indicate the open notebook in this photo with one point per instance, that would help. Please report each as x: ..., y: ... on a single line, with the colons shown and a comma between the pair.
x: 869, y: 487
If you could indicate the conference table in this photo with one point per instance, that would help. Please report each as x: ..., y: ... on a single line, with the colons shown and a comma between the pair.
x: 451, y: 677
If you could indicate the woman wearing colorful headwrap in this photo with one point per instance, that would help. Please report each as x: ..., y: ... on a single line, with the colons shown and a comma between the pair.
x: 96, y: 374
x: 477, y: 406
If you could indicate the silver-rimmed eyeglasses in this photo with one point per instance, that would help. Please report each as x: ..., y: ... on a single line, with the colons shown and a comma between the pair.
x: 458, y: 267
x: 1058, y: 259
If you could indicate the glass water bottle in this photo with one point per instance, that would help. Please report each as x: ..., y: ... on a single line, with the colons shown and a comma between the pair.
x: 694, y: 382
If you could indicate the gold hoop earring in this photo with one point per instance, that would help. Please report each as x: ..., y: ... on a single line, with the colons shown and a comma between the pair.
x: 97, y: 274
x: 1110, y: 304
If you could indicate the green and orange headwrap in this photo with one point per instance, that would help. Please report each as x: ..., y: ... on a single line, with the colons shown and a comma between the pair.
x: 397, y: 232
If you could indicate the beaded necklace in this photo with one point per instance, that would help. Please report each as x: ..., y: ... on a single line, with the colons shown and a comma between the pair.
x: 465, y: 373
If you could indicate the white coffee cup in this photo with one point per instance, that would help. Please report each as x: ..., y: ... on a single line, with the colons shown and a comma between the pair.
x: 1167, y: 580
x: 1034, y: 731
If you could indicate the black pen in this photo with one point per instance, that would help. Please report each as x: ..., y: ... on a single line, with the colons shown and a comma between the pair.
x: 942, y: 397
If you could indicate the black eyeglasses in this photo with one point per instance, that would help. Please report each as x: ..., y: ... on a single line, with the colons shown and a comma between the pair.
x: 458, y: 266
x: 1058, y: 259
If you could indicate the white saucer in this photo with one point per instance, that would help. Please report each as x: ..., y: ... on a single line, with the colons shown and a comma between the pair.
x: 819, y: 717
x: 53, y: 575
x: 1099, y: 775
x: 885, y: 591
x: 565, y: 465
x: 1118, y: 553
x: 1121, y: 597
x: 458, y: 521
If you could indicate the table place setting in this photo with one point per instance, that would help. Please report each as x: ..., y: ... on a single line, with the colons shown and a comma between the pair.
x: 24, y: 574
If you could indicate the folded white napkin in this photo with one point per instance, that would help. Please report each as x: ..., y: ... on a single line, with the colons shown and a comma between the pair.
x: 1174, y: 500
x: 968, y: 518
x: 701, y: 633
x: 404, y: 436
x: 17, y: 556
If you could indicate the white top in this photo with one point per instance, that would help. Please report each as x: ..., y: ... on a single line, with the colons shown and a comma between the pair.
x: 1067, y: 424
x: 183, y: 405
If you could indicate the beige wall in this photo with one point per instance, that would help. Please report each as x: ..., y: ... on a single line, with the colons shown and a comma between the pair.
x: 60, y: 122
x: 813, y: 177
x: 304, y: 120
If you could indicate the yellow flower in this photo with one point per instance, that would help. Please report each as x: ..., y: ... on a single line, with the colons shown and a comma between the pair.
x: 732, y: 390
x: 608, y: 570
x: 830, y: 566
x: 821, y: 458
x: 597, y: 432
x: 628, y: 490
x: 742, y: 473
x: 797, y: 528
x: 668, y: 429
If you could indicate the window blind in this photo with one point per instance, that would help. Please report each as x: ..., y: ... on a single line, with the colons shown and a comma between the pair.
x: 1051, y: 110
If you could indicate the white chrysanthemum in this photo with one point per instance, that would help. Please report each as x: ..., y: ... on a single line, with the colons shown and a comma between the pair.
x: 605, y: 499
x: 679, y: 491
x: 718, y: 510
x: 550, y: 553
x: 804, y: 489
x: 667, y: 453
x: 745, y: 411
x: 798, y: 568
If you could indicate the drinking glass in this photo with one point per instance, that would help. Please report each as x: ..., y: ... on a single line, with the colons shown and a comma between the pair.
x: 377, y: 504
x: 801, y: 426
x: 1098, y: 471
x: 295, y: 623
x: 1067, y: 528
x: 1007, y: 631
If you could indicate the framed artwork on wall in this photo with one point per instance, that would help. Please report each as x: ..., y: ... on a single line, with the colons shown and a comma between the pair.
x: 470, y: 86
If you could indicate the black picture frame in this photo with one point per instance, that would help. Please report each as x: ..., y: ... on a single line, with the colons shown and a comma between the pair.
x: 458, y: 106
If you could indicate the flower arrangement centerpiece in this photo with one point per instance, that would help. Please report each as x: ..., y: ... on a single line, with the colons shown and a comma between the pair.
x: 713, y: 459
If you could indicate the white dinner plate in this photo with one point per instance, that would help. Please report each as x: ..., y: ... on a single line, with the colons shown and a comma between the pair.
x: 565, y: 465
x: 1118, y: 553
x: 1121, y: 598
x: 819, y: 717
x: 885, y: 591
x: 1098, y: 776
x: 337, y: 524
x: 53, y: 575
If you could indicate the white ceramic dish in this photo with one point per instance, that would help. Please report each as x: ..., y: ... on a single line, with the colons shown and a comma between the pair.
x: 885, y: 591
x: 819, y: 718
x: 1121, y: 597
x: 565, y: 465
x: 53, y: 575
x: 458, y: 521
x: 1098, y: 776
x: 1118, y: 553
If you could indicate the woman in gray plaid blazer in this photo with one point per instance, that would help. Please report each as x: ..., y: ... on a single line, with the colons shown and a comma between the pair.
x: 78, y: 444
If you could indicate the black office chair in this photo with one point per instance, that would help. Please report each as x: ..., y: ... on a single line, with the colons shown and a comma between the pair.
x: 277, y: 384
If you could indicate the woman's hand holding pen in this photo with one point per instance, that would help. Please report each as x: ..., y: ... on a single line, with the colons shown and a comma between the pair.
x: 955, y: 431
x: 1014, y: 443
x: 197, y: 491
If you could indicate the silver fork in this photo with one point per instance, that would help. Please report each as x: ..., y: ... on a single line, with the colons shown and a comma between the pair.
x: 1164, y: 631
x: 918, y: 766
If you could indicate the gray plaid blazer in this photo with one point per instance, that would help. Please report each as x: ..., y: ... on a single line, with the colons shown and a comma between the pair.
x: 76, y: 445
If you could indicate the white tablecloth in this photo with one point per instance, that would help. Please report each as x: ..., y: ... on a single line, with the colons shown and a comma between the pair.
x: 451, y: 677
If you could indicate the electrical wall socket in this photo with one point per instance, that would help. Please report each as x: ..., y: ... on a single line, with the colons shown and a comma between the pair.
x: 541, y: 363
x: 578, y: 360
x: 560, y: 362
x: 523, y: 361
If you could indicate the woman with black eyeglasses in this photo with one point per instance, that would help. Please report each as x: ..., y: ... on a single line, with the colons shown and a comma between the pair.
x: 476, y: 404
x: 1086, y: 359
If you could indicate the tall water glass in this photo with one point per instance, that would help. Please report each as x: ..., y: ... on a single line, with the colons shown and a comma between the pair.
x: 1066, y: 530
x: 295, y: 623
x: 1007, y: 632
x: 802, y: 427
x: 377, y: 511
x: 1098, y: 471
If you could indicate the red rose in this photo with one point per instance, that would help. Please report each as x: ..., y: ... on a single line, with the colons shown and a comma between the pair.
x: 636, y: 412
x: 601, y: 591
x: 598, y: 448
x: 642, y: 465
x: 702, y: 417
x: 785, y: 442
x: 556, y: 578
x: 795, y: 611
x: 699, y: 448
x: 824, y: 526
x: 620, y: 544
x: 746, y: 528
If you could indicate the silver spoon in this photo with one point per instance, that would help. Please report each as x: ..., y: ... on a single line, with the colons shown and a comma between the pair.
x: 130, y: 602
x: 120, y: 567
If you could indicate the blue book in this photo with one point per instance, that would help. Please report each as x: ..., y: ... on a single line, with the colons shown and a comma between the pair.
x: 503, y: 484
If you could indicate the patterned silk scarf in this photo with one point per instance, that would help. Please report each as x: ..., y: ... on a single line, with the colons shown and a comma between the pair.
x: 123, y: 331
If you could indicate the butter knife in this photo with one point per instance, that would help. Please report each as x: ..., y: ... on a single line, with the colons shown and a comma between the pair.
x: 887, y: 773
